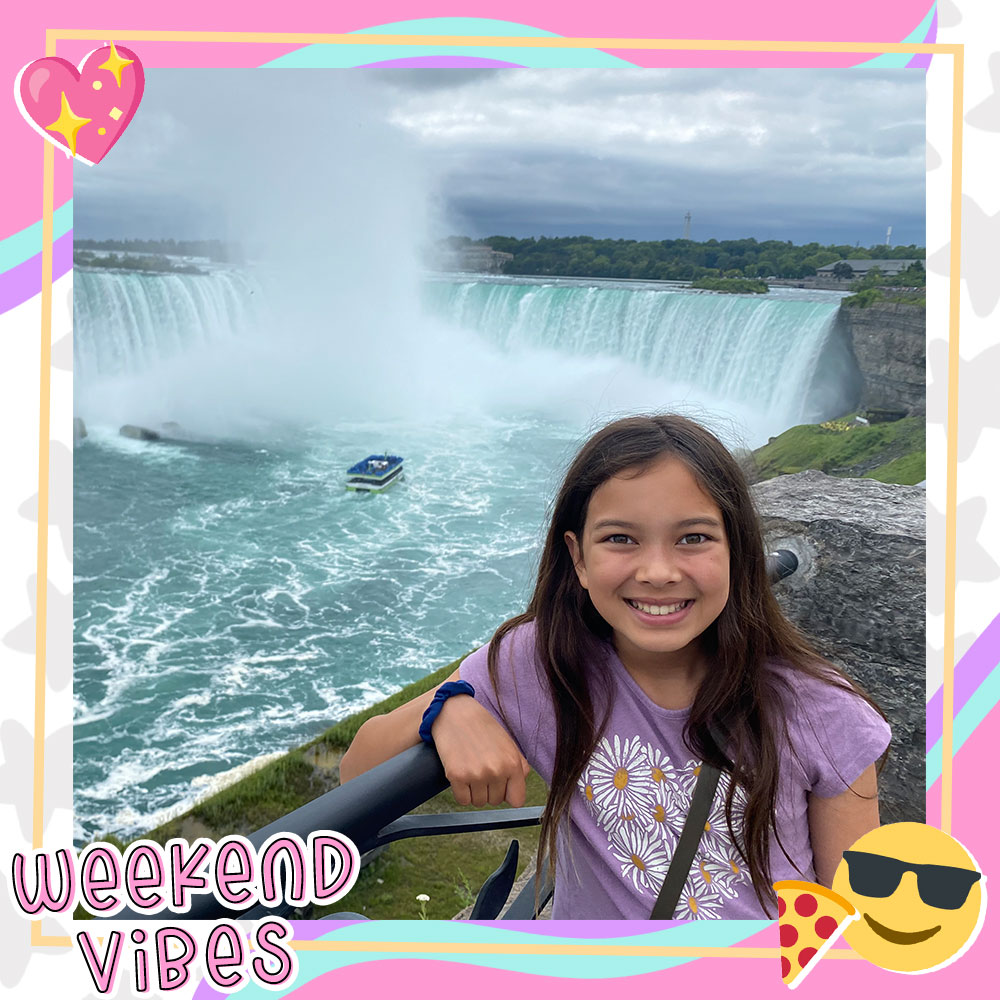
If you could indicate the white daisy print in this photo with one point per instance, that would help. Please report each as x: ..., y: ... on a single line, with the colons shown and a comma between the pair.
x: 668, y: 807
x: 716, y: 841
x: 687, y: 778
x: 733, y: 870
x: 699, y: 900
x: 661, y: 768
x: 619, y: 776
x: 664, y: 818
x: 726, y: 877
x: 587, y: 790
x: 641, y: 798
x: 642, y: 856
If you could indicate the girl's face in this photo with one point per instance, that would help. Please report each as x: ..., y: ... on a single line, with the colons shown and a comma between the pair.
x: 654, y: 557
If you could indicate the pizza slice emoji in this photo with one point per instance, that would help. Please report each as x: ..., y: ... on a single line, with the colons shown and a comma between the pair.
x: 810, y: 918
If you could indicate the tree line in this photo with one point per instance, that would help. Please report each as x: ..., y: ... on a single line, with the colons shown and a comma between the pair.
x: 909, y: 286
x: 153, y: 263
x: 212, y: 249
x: 674, y: 260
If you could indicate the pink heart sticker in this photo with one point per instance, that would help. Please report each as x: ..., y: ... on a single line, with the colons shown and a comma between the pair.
x: 82, y: 111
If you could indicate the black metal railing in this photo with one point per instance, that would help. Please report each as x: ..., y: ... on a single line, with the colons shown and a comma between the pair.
x: 372, y: 811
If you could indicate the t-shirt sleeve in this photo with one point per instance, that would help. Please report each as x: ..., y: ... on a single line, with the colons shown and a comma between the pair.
x: 519, y: 705
x: 835, y: 735
x: 475, y: 669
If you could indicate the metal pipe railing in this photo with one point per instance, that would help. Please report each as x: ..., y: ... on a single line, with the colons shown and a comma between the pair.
x: 358, y: 809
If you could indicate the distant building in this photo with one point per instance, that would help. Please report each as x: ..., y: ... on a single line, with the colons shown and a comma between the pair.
x: 476, y: 257
x: 862, y: 267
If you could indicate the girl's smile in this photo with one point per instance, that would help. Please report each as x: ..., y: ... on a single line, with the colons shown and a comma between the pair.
x: 658, y: 613
x: 654, y: 557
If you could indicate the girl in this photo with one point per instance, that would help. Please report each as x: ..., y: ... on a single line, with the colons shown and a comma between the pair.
x: 651, y: 628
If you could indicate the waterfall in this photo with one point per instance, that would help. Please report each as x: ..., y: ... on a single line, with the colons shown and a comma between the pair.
x: 151, y: 346
x: 129, y: 321
x: 756, y: 350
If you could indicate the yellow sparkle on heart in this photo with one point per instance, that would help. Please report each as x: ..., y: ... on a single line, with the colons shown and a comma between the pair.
x: 115, y: 64
x: 97, y: 85
x: 115, y: 113
x: 101, y: 131
x: 67, y: 124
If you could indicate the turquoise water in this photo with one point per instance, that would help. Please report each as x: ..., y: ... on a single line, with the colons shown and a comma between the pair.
x: 232, y: 599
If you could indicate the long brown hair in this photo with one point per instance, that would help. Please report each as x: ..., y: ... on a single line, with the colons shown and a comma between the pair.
x: 738, y: 694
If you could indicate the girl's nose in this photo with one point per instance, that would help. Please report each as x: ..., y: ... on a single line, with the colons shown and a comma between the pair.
x: 658, y: 567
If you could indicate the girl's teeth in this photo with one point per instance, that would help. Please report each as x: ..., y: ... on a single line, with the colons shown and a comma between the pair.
x: 658, y: 609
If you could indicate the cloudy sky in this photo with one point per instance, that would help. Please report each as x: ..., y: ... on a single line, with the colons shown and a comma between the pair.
x: 834, y: 156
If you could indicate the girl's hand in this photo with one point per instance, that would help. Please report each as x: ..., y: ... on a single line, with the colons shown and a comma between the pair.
x: 481, y: 761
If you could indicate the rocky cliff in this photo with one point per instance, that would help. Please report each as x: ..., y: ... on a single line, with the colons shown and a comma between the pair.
x: 888, y: 341
x: 859, y: 594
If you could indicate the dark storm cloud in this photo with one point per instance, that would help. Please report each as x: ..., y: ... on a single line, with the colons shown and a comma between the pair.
x: 822, y: 154
x: 613, y: 196
x: 828, y: 155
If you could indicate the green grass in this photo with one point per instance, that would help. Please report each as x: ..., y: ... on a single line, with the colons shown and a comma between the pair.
x: 246, y: 805
x: 274, y: 790
x: 872, y: 296
x: 908, y: 471
x: 890, y: 452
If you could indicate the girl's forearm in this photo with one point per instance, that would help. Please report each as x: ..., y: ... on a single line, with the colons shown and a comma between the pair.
x: 384, y: 736
x: 480, y: 759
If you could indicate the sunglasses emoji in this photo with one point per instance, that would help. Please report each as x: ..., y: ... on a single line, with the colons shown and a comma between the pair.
x: 941, y: 886
x: 921, y: 896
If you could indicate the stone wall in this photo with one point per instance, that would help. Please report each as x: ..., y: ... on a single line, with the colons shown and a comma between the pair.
x: 859, y: 595
x: 888, y: 341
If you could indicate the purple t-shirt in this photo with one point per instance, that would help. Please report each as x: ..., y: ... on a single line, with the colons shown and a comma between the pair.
x: 633, y: 796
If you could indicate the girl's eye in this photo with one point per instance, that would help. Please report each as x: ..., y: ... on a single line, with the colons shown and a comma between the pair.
x: 694, y: 538
x: 619, y: 539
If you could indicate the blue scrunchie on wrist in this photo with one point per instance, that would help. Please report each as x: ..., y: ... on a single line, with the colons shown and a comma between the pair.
x: 433, y: 710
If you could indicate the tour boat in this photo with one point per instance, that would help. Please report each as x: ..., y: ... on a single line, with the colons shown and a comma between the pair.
x: 375, y: 473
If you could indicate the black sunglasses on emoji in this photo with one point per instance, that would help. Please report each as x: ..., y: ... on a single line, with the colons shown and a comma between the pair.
x: 940, y: 886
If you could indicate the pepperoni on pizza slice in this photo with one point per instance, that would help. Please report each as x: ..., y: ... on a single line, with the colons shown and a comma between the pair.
x: 810, y: 918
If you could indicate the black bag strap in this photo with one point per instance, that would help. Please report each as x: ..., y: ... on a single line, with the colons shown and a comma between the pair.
x: 687, y: 845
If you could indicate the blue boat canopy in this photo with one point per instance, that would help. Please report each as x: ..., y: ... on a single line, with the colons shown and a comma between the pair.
x: 375, y: 465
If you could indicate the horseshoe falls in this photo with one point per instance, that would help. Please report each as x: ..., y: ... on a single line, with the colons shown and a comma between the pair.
x: 753, y: 351
x: 232, y: 599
